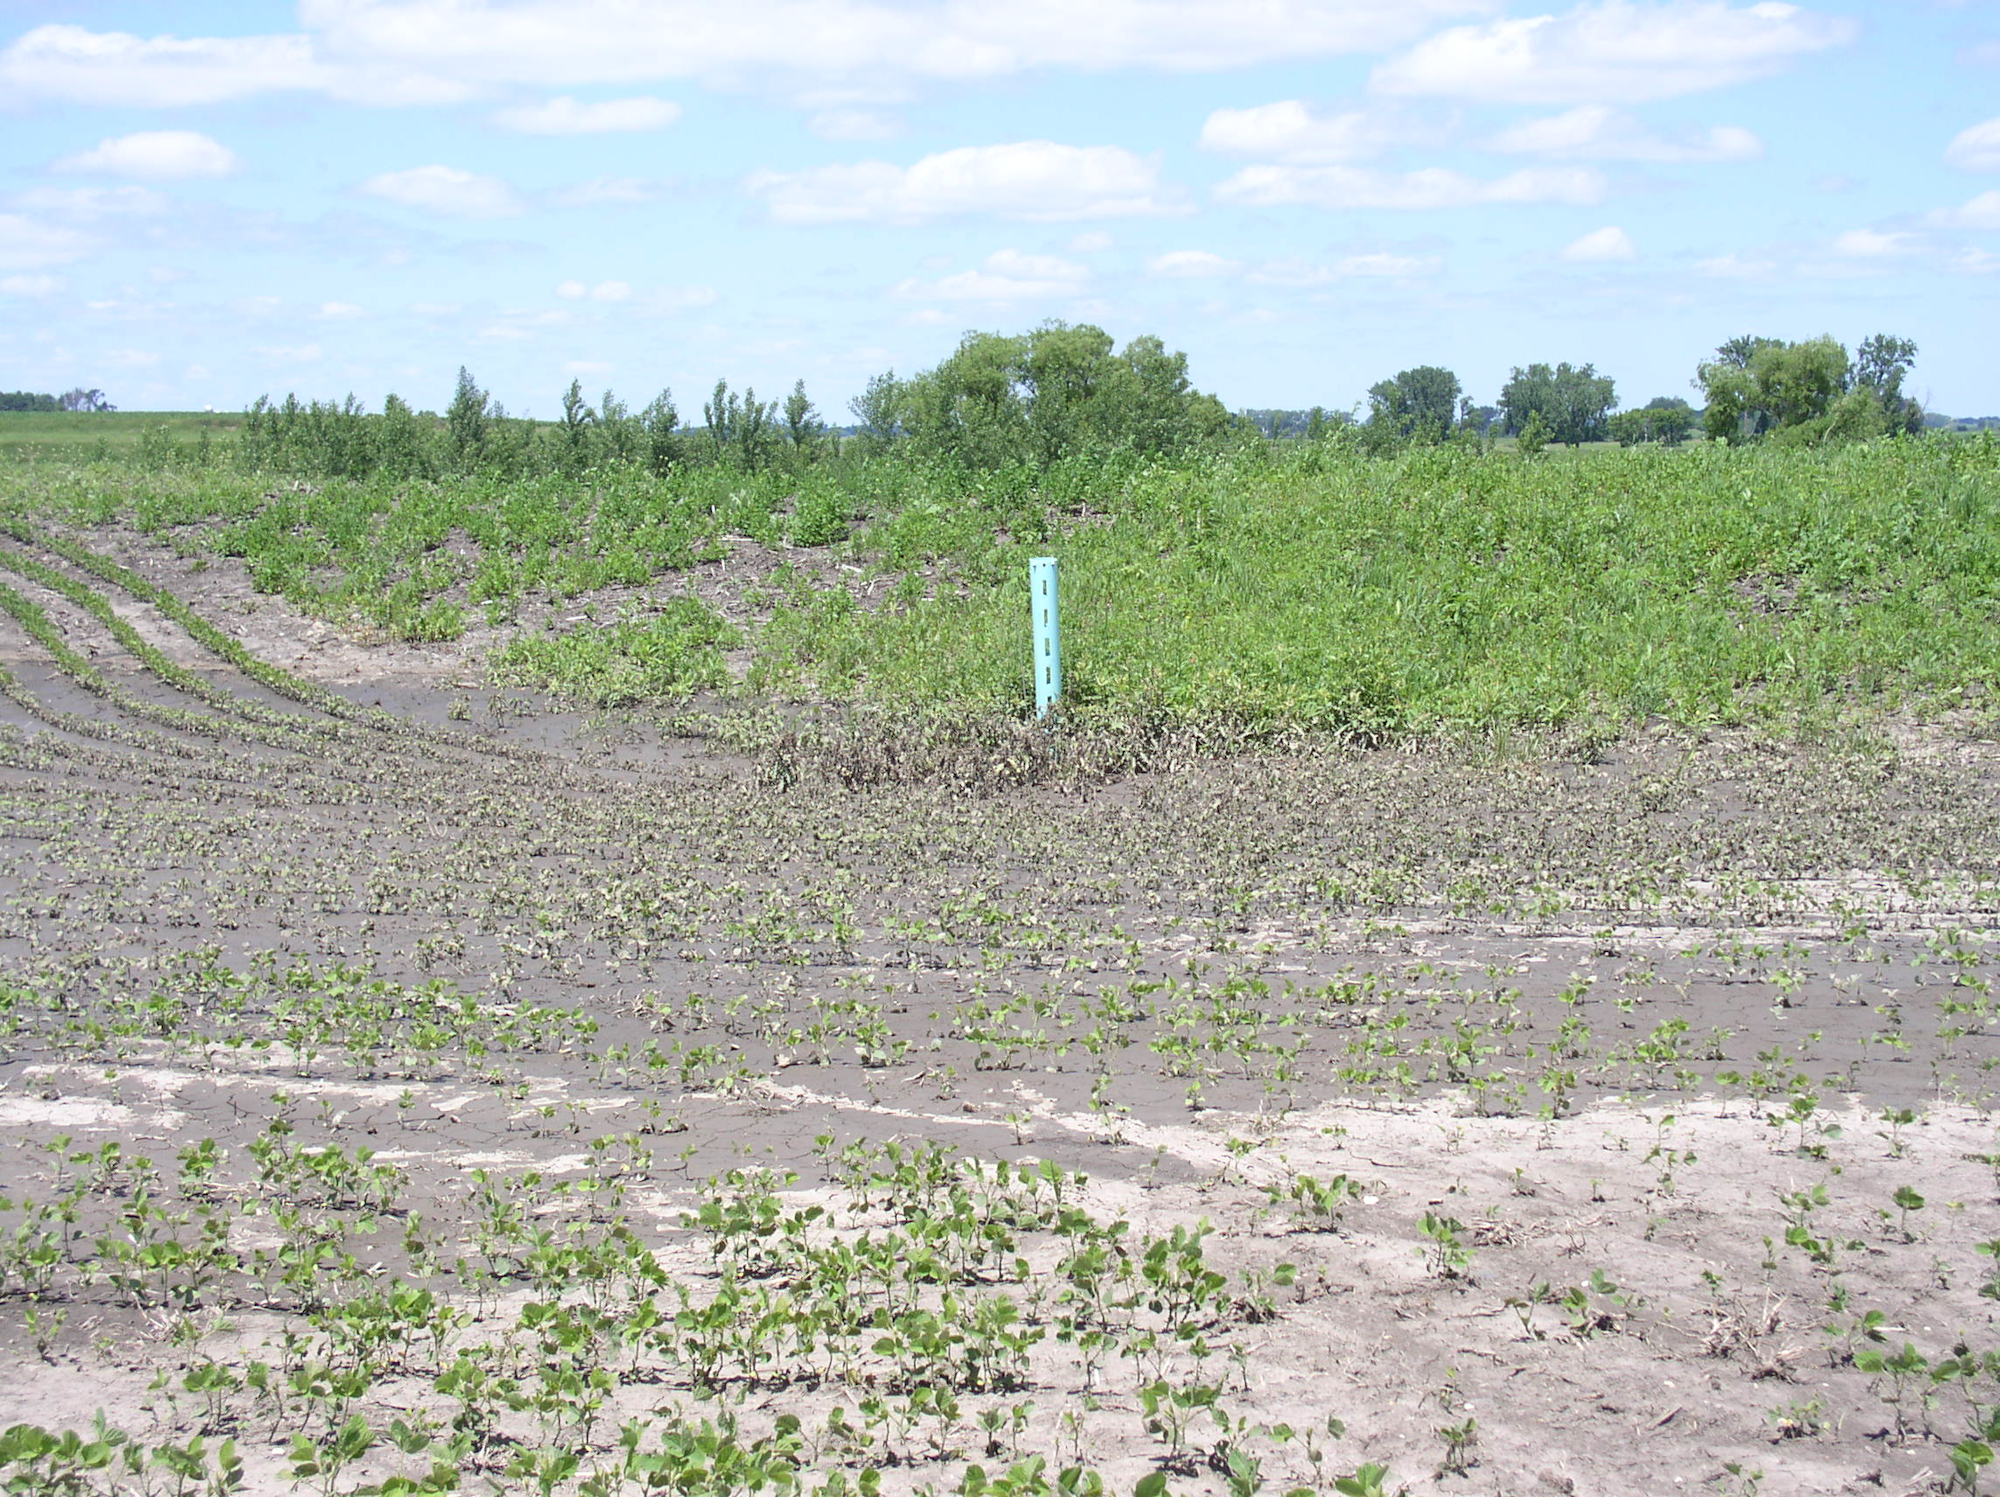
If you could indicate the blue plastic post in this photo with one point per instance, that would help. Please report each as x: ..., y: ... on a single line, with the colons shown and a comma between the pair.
x: 1048, y: 633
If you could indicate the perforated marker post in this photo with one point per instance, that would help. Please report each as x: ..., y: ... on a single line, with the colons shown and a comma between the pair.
x: 1047, y: 611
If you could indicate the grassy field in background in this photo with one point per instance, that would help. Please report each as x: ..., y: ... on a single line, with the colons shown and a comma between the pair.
x: 74, y: 435
x: 1268, y: 589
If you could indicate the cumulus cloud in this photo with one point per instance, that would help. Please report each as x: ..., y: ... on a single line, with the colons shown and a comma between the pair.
x: 26, y: 244
x: 1191, y: 264
x: 1007, y: 275
x: 1733, y: 267
x: 1289, y: 131
x: 1597, y: 132
x: 566, y: 116
x: 155, y: 156
x: 1872, y: 244
x: 1036, y: 180
x: 1435, y: 187
x: 445, y: 189
x: 1614, y: 51
x: 1601, y: 246
x: 408, y: 51
x: 1982, y: 212
x: 29, y: 285
x: 1976, y: 149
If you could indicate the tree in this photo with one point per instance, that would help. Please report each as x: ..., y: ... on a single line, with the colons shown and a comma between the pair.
x: 26, y: 400
x: 802, y: 423
x: 878, y: 412
x: 662, y: 425
x: 1044, y: 396
x: 1756, y: 386
x: 1419, y: 404
x: 1666, y: 419
x: 1879, y: 366
x: 81, y: 399
x: 577, y: 419
x: 465, y: 419
x: 741, y: 429
x: 1574, y: 401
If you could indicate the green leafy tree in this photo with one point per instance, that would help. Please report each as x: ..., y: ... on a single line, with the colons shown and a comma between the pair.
x: 1666, y: 419
x: 1056, y: 392
x: 878, y: 412
x: 465, y: 420
x: 1757, y: 386
x: 661, y: 424
x: 1419, y: 404
x: 1574, y: 401
x: 577, y: 420
x: 803, y: 427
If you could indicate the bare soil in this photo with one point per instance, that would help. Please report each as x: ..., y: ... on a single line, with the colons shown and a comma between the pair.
x: 1577, y: 1094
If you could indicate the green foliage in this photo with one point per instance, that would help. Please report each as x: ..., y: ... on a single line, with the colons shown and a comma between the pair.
x: 1809, y: 392
x: 1666, y: 419
x: 1044, y: 397
x: 1443, y: 589
x: 1574, y: 402
x: 670, y: 655
x: 1418, y: 405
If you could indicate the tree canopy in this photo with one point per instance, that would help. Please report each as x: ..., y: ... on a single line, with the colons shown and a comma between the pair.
x: 1041, y: 396
x: 1808, y: 391
x: 1574, y: 401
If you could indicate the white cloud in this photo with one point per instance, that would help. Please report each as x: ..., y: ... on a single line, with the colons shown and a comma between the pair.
x: 1982, y: 212
x: 445, y: 189
x: 1378, y: 265
x: 1872, y: 244
x: 1613, y: 51
x: 441, y: 51
x: 1092, y: 242
x: 1036, y: 180
x: 1435, y: 187
x: 1382, y: 264
x: 1976, y: 149
x: 28, y: 245
x: 1975, y: 262
x: 29, y: 285
x: 567, y: 116
x: 855, y: 124
x: 155, y: 156
x: 1733, y: 267
x: 1289, y: 131
x: 1596, y: 132
x: 131, y: 358
x: 1191, y: 264
x: 1601, y: 246
x: 124, y: 71
x: 340, y: 311
x: 89, y: 204
x: 586, y: 366
x: 1007, y: 275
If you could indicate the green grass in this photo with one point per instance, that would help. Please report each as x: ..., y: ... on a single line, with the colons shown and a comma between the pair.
x: 1448, y: 590
x: 81, y: 435
x: 1263, y: 590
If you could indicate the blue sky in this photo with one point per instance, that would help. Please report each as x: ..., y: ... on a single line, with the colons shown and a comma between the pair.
x: 200, y: 203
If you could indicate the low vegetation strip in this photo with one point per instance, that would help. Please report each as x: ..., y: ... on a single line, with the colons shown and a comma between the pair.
x: 1300, y: 587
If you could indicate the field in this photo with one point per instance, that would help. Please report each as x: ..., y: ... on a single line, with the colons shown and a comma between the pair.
x: 1490, y: 988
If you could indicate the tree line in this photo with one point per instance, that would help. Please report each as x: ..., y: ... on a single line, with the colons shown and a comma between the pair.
x: 78, y: 399
x: 1060, y: 393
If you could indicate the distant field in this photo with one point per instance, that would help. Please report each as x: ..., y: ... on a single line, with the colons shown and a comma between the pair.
x: 36, y: 433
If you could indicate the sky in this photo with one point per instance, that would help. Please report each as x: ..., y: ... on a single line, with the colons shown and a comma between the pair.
x: 202, y: 203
